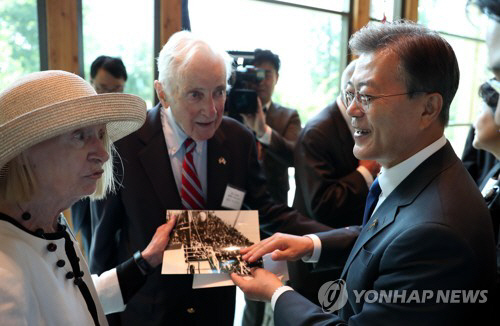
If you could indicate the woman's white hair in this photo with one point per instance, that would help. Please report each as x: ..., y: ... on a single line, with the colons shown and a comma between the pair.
x: 176, y: 55
x: 20, y: 184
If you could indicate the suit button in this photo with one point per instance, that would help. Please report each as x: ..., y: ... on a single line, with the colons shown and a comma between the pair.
x: 191, y: 310
x: 61, y: 263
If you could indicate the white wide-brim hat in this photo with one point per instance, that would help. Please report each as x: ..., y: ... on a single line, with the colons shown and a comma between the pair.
x: 46, y: 104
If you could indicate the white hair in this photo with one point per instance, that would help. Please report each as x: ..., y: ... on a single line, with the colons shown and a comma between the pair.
x: 177, y: 53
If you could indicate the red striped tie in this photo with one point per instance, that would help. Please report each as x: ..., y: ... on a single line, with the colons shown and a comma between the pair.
x: 191, y: 192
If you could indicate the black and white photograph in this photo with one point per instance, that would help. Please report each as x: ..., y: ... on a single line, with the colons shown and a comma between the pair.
x: 209, y: 242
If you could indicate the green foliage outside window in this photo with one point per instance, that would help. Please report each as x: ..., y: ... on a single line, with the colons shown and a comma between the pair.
x: 19, y: 49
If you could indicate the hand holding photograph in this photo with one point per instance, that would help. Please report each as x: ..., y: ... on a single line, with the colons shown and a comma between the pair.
x: 209, y: 242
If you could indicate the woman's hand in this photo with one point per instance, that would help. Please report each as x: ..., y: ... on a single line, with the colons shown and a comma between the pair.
x: 153, y: 253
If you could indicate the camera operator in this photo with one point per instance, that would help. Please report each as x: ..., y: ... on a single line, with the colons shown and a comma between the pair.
x: 276, y: 128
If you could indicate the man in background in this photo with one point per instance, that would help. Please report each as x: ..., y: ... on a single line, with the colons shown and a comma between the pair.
x: 332, y: 183
x: 276, y: 128
x: 491, y: 8
x: 108, y: 75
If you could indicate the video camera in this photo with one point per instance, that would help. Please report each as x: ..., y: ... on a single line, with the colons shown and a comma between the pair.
x: 242, y: 98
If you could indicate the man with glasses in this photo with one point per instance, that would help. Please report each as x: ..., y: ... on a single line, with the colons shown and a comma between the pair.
x: 332, y: 183
x: 108, y: 75
x: 426, y: 229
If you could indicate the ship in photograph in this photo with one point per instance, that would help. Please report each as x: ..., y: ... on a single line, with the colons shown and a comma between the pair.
x: 209, y: 242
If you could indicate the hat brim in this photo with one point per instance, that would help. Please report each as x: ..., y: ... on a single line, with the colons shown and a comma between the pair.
x: 122, y: 114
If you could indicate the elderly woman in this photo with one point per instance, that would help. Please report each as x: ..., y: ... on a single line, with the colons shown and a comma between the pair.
x: 487, y: 137
x: 55, y: 148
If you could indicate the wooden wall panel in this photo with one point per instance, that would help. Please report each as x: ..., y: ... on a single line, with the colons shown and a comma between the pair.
x: 410, y: 10
x: 360, y: 14
x: 170, y: 19
x: 62, y: 35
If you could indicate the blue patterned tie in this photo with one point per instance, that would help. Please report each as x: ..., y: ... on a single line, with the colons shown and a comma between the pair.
x: 371, y: 200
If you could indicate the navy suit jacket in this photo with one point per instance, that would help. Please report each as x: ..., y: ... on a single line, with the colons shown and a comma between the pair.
x: 126, y: 221
x: 433, y: 232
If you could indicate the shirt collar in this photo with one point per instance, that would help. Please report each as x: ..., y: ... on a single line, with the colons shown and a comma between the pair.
x: 174, y: 133
x: 390, y: 178
x: 266, y: 106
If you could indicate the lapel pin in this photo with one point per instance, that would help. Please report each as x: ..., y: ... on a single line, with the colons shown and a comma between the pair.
x: 374, y: 224
x: 222, y: 160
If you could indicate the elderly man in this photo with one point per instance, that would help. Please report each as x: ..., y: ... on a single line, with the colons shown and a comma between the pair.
x: 427, y: 230
x: 185, y: 135
x: 332, y: 183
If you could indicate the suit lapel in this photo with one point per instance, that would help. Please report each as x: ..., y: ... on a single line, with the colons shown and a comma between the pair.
x: 493, y: 172
x: 383, y: 217
x: 271, y: 115
x: 219, y: 164
x: 404, y: 194
x: 156, y: 162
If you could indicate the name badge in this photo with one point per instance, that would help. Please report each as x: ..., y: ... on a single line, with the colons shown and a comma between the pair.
x: 233, y: 198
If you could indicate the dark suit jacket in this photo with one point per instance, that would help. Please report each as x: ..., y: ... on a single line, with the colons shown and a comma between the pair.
x: 493, y: 202
x: 477, y: 161
x: 493, y: 198
x: 433, y: 233
x: 128, y: 219
x: 82, y: 222
x: 329, y: 188
x: 278, y: 155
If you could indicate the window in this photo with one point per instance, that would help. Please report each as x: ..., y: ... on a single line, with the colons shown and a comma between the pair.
x: 390, y: 8
x: 19, y: 48
x: 311, y: 43
x: 122, y: 28
x: 467, y: 40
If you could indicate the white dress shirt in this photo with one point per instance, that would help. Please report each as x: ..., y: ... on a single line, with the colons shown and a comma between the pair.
x: 175, y: 137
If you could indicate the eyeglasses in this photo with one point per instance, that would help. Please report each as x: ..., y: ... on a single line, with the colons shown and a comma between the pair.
x: 102, y: 89
x: 365, y: 99
x: 495, y: 84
